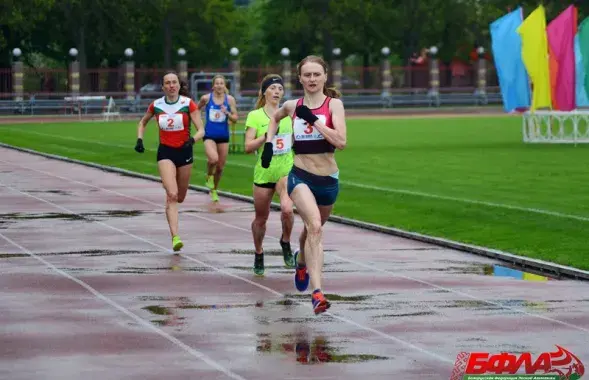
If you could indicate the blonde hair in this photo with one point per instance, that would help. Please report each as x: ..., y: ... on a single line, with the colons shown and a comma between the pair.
x: 261, y: 102
x: 224, y: 82
x: 332, y: 92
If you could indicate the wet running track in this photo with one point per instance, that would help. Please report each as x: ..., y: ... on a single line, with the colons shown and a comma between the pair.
x: 89, y: 288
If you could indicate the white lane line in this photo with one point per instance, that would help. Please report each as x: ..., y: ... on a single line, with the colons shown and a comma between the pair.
x: 197, y: 354
x: 358, y: 263
x: 343, y: 319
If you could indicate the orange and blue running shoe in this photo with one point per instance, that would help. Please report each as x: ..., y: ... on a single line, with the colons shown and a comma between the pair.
x: 301, y: 276
x: 320, y: 303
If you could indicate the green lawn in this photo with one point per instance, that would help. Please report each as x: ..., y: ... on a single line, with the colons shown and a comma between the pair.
x: 465, y: 179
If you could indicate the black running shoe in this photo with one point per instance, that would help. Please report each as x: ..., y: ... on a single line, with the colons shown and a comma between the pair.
x: 287, y: 254
x: 259, y: 264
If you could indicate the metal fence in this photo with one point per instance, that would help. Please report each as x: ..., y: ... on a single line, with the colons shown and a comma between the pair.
x: 25, y: 90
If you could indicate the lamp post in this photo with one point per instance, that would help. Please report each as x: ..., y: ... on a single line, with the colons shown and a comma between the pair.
x: 129, y: 68
x: 386, y: 71
x: 74, y: 73
x: 434, y: 73
x: 182, y: 65
x: 235, y: 67
x: 286, y: 71
x: 481, y: 73
x: 336, y: 67
x: 17, y: 74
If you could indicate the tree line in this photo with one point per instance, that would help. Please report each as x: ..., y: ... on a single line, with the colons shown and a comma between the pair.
x: 101, y: 30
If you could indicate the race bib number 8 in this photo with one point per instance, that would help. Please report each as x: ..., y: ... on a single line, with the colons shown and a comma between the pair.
x: 282, y: 143
x: 217, y: 116
x: 305, y: 132
x: 173, y: 122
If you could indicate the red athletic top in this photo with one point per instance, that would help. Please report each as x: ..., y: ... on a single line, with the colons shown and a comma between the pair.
x: 173, y: 119
x: 308, y: 140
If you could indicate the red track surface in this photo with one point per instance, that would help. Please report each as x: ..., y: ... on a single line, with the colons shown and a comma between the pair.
x: 88, y: 289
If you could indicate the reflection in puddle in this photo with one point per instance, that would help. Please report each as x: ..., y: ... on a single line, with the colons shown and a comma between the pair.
x: 496, y: 270
x: 215, y: 208
x: 10, y: 217
x: 333, y: 297
x: 60, y: 192
x: 267, y: 252
x: 89, y: 253
x: 503, y: 271
x: 310, y: 351
x: 172, y: 311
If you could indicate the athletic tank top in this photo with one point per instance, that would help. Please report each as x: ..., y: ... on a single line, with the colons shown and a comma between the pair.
x: 307, y: 139
x: 217, y: 123
x: 173, y: 119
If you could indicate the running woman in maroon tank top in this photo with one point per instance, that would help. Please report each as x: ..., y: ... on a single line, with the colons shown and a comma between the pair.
x: 319, y: 128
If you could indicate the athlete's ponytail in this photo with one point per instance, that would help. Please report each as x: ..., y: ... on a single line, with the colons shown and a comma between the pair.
x: 332, y: 92
x: 184, y: 91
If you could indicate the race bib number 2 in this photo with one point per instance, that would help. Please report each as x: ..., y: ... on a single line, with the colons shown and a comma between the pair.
x: 173, y: 122
x: 282, y: 144
x: 305, y: 132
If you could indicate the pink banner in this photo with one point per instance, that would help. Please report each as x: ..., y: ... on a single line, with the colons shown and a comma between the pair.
x: 561, y: 44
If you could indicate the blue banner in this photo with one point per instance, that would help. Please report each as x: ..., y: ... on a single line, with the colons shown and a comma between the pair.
x: 507, y: 52
x: 580, y: 93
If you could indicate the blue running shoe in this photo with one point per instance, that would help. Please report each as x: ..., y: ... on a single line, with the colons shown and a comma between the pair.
x: 301, y: 275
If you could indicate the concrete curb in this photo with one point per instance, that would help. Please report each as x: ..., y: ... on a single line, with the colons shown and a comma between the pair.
x: 525, y: 263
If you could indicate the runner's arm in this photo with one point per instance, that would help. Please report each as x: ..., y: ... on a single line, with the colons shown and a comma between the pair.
x: 143, y: 123
x: 286, y: 109
x: 337, y: 135
x: 251, y: 142
x: 232, y: 112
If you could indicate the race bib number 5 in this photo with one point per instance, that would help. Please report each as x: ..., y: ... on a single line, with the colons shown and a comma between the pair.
x: 173, y: 122
x: 304, y: 132
x: 282, y: 144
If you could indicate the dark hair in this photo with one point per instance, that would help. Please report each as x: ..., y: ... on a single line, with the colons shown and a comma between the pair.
x: 261, y: 102
x: 332, y: 92
x: 184, y: 91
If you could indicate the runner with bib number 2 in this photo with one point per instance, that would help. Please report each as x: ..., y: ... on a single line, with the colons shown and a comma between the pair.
x: 319, y: 128
x: 173, y: 113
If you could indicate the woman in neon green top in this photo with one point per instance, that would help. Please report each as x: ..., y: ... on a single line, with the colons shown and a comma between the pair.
x: 269, y: 181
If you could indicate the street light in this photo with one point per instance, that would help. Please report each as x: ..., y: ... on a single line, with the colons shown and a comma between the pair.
x: 16, y: 52
x: 481, y: 50
x: 336, y: 51
x: 234, y: 51
x: 385, y: 50
x: 285, y: 51
x: 433, y: 50
x: 128, y: 52
x: 181, y: 52
x: 74, y: 52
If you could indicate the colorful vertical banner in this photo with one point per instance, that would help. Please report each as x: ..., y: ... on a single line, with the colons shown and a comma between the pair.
x: 535, y: 56
x: 584, y: 50
x: 581, y: 97
x: 506, y: 44
x: 561, y: 44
